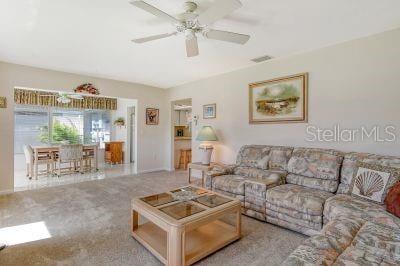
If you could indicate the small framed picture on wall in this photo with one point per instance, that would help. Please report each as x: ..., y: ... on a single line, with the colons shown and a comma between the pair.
x: 152, y: 115
x: 209, y: 111
x: 3, y: 102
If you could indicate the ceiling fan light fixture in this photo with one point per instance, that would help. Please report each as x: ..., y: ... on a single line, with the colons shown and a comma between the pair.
x: 63, y: 100
x: 190, y: 23
x: 189, y: 34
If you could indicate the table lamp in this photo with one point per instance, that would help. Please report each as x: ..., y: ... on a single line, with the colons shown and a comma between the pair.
x: 206, y: 134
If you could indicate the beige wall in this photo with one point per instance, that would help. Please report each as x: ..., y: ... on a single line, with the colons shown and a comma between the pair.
x: 353, y: 84
x: 151, y: 148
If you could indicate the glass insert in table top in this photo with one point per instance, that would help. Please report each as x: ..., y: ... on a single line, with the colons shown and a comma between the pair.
x: 182, y: 210
x: 196, y: 190
x: 212, y: 201
x: 158, y: 199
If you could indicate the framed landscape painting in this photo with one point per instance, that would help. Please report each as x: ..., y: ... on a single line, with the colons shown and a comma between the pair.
x: 279, y: 100
x: 152, y: 116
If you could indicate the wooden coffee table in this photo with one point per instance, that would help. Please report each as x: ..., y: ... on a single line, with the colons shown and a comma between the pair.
x: 183, y: 232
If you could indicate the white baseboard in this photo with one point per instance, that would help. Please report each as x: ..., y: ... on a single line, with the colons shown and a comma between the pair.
x: 7, y: 191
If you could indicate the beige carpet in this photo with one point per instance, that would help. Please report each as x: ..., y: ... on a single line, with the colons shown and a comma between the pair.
x: 89, y: 225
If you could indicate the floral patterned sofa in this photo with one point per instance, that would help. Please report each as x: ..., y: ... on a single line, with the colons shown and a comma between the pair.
x: 309, y: 191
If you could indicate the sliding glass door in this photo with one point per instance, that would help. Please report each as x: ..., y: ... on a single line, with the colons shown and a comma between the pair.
x: 31, y: 127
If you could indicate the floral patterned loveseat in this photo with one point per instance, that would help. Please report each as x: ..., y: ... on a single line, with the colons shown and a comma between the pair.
x: 308, y: 190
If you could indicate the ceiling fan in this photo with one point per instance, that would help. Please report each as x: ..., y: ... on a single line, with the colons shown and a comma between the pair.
x: 190, y: 23
x: 63, y: 97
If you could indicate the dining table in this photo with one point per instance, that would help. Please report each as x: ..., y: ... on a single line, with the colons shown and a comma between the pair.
x: 52, y: 149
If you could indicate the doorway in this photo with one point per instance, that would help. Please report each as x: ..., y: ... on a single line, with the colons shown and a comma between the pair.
x: 132, y: 134
x: 181, y: 145
x: 46, y: 128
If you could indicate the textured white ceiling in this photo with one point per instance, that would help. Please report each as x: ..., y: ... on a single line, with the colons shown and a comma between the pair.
x: 93, y: 36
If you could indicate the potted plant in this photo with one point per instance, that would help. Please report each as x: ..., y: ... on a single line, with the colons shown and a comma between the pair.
x: 120, y: 121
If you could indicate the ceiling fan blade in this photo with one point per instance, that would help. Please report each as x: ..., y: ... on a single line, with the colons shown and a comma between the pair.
x: 153, y: 10
x: 220, y: 9
x: 226, y: 36
x: 154, y: 37
x: 192, y: 47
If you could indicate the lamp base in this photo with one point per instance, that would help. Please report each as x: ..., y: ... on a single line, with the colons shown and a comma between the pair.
x: 205, y: 153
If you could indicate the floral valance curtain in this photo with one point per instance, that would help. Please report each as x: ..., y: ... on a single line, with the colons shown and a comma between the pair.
x: 43, y: 98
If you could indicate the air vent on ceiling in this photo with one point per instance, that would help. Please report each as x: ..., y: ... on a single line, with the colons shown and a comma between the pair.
x: 261, y: 59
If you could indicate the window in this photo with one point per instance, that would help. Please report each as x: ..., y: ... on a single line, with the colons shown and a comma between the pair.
x: 67, y: 126
x: 44, y: 126
x: 97, y: 127
x: 30, y: 125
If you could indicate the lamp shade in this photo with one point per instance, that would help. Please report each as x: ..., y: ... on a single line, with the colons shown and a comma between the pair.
x: 207, y: 133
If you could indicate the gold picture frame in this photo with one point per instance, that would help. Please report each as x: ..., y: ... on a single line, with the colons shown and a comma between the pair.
x: 210, y: 111
x: 3, y: 102
x: 280, y: 100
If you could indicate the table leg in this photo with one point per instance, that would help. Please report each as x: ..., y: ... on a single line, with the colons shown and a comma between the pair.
x: 96, y: 162
x: 174, y: 257
x: 134, y: 220
x: 190, y: 173
x: 36, y: 167
x: 238, y: 222
x: 202, y: 178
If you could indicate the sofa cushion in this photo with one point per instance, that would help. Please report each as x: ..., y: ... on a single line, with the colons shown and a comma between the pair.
x: 232, y: 195
x: 349, y: 241
x: 316, y: 250
x: 317, y: 164
x: 374, y: 244
x: 346, y: 205
x: 299, y: 198
x: 294, y: 213
x: 279, y: 157
x: 316, y: 183
x: 256, y: 156
x: 327, y: 245
x: 358, y: 256
x: 379, y: 239
x: 349, y: 167
x: 229, y: 183
x: 372, y: 182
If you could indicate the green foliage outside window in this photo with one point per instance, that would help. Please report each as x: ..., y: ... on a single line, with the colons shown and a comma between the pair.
x: 61, y: 134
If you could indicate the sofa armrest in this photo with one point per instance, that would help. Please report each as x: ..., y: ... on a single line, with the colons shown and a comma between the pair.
x: 218, y: 170
x: 228, y: 169
x: 258, y: 187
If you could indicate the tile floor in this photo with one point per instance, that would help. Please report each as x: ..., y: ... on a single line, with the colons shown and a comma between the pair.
x: 21, y: 182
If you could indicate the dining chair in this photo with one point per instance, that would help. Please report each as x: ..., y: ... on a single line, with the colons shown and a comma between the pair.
x: 43, y: 158
x: 72, y: 154
x: 89, y: 159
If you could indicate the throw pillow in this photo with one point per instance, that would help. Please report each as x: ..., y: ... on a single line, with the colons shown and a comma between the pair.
x: 372, y: 182
x: 392, y: 200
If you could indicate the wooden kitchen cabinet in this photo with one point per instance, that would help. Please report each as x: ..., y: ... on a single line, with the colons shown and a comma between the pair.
x: 113, y: 152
